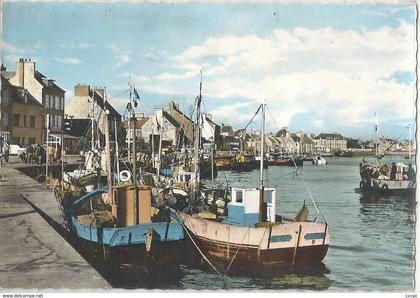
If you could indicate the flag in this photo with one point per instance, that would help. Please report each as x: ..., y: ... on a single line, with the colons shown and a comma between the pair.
x: 136, y: 97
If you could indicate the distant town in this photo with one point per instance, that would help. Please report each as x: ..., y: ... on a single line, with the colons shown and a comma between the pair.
x: 31, y: 102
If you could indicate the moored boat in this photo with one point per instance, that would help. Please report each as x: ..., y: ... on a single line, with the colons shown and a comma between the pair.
x: 148, y: 240
x: 252, y: 236
x: 318, y: 160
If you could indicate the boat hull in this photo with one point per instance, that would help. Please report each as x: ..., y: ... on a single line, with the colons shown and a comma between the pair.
x: 251, y: 258
x: 391, y: 187
x: 278, y: 246
x: 163, y: 256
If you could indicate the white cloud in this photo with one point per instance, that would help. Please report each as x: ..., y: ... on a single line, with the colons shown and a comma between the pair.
x: 121, y: 54
x: 68, y: 60
x: 80, y: 45
x: 337, y: 75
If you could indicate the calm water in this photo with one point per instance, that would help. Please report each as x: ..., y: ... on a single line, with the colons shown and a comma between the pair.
x: 372, y: 236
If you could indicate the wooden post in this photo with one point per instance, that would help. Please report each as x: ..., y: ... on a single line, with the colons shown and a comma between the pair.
x: 296, y: 246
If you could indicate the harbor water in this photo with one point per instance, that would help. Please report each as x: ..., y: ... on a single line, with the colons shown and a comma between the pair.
x: 372, y: 235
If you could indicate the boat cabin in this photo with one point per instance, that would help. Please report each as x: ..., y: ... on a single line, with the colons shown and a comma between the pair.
x: 244, y: 207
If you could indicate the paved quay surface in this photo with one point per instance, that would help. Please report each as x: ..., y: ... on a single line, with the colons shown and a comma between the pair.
x: 33, y: 254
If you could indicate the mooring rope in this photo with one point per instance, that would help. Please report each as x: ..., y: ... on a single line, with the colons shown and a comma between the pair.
x: 198, y: 248
x: 231, y: 262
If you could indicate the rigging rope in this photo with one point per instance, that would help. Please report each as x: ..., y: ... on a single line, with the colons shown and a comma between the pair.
x: 252, y: 117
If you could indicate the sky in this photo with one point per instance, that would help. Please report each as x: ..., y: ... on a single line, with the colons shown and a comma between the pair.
x: 318, y: 67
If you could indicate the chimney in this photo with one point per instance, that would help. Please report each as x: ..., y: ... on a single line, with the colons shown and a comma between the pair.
x: 159, y: 113
x: 19, y: 72
x: 100, y: 91
x: 210, y: 117
x: 81, y: 90
x: 28, y: 70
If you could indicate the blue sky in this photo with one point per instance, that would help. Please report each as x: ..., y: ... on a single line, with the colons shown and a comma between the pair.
x: 320, y: 68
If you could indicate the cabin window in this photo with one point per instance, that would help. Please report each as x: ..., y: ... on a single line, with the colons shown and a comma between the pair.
x: 268, y: 196
x: 313, y: 236
x: 281, y: 238
x: 239, y: 196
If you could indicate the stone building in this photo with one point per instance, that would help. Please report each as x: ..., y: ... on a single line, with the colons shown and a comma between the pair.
x: 42, y: 89
x: 330, y: 142
x: 186, y: 124
x: 5, y: 108
x: 89, y: 102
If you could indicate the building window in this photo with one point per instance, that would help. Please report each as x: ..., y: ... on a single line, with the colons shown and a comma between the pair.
x: 32, y: 140
x: 47, y: 101
x: 32, y: 122
x: 16, y: 140
x: 57, y: 102
x: 16, y: 120
x: 6, y: 98
x: 62, y: 103
x: 51, y: 101
x: 5, y: 120
x: 24, y: 120
x: 59, y: 120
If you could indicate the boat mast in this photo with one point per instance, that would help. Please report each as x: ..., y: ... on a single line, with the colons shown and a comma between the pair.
x: 48, y: 145
x: 133, y: 120
x: 107, y: 148
x: 261, y: 205
x: 159, y: 151
x: 262, y: 145
x: 409, y: 141
x: 377, y: 135
x: 197, y: 137
x: 117, y: 153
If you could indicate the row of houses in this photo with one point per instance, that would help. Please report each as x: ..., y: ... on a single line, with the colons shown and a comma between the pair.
x: 283, y: 142
x: 29, y: 103
x: 174, y: 127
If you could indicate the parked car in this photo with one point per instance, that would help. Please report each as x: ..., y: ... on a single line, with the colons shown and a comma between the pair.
x: 16, y: 150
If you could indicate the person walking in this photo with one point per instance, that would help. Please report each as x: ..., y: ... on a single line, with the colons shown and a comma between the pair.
x: 6, y: 152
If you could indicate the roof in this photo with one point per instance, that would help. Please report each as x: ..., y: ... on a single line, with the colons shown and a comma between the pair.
x: 19, y: 95
x: 171, y: 119
x: 139, y: 124
x: 7, y: 74
x: 281, y: 133
x: 295, y: 137
x: 100, y: 102
x: 330, y: 136
x: 307, y: 140
x: 230, y: 139
x: 47, y: 83
x: 227, y: 128
x: 175, y: 108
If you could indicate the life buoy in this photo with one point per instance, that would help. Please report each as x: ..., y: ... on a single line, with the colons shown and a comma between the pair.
x: 385, y: 187
x: 125, y: 176
x: 171, y: 182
